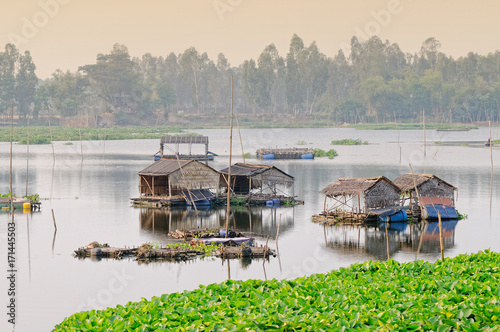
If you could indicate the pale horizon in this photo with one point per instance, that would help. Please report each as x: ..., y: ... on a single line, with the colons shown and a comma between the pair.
x: 66, y: 34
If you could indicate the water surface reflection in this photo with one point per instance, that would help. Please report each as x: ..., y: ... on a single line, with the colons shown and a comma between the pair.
x: 382, y: 240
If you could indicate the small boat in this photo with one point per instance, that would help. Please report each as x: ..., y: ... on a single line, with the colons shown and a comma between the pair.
x: 489, y: 142
x: 390, y: 214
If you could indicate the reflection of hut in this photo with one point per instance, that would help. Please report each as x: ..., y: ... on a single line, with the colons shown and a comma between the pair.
x: 169, y: 177
x: 258, y: 180
x: 427, y: 184
x: 354, y: 198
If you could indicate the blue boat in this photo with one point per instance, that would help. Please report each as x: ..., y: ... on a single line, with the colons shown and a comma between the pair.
x: 268, y: 156
x: 307, y: 156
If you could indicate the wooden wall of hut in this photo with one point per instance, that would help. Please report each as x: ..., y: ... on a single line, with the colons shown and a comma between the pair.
x: 153, y: 185
x: 381, y: 195
x: 435, y: 188
x: 195, y: 176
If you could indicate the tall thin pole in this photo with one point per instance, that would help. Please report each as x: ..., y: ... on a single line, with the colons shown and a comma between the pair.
x: 491, y: 176
x: 27, y: 155
x: 423, y: 121
x: 11, y: 133
x: 230, y: 155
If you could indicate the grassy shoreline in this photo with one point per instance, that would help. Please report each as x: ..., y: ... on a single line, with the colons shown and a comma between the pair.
x: 460, y: 293
x: 42, y: 134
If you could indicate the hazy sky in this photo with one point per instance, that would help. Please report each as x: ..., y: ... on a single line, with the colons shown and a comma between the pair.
x: 65, y: 34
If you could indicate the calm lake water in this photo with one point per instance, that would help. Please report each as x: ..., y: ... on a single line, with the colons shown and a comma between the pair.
x: 91, y: 202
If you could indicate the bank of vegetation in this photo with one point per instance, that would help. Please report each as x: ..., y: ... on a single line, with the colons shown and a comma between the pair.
x: 457, y: 294
x: 43, y: 135
x: 373, y: 82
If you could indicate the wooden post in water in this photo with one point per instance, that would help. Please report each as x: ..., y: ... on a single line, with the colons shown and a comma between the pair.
x: 230, y: 154
x: 441, y: 236
x: 491, y: 176
x: 10, y: 172
x: 423, y: 121
x: 54, y: 220
x: 387, y: 239
x: 416, y: 191
x: 27, y: 154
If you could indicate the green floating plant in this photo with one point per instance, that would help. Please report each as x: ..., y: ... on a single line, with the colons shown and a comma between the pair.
x: 457, y: 294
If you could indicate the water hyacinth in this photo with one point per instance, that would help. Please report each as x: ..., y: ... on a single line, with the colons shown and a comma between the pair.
x: 459, y: 294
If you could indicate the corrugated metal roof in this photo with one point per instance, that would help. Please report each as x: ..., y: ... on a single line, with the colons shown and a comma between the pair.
x: 184, y: 140
x: 436, y: 201
x: 164, y: 167
x: 354, y: 186
x: 405, y: 182
x: 241, y: 169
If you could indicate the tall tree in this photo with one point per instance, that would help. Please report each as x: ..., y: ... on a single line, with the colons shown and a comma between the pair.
x: 26, y: 82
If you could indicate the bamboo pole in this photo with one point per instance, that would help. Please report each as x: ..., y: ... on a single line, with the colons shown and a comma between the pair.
x: 491, y: 176
x: 387, y: 239
x: 51, y: 142
x: 416, y: 191
x: 230, y: 154
x: 441, y: 236
x: 423, y: 121
x: 241, y: 141
x: 81, y: 143
x: 10, y: 172
x: 27, y: 155
x: 54, y: 220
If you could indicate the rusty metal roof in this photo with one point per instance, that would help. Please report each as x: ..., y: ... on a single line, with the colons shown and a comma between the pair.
x: 241, y: 169
x: 164, y: 167
x: 406, y: 184
x: 354, y: 186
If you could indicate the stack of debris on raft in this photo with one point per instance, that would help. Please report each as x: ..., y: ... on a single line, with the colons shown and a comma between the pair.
x: 290, y: 153
x: 361, y: 200
x: 237, y: 247
x: 204, y: 234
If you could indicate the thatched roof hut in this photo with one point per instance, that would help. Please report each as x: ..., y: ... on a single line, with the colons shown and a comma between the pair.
x: 371, y: 193
x: 427, y: 185
x: 168, y: 177
x: 246, y: 177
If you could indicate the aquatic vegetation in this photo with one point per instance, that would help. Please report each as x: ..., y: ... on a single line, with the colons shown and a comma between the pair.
x: 302, y: 142
x: 322, y: 153
x: 349, y: 141
x: 41, y: 135
x: 409, y: 126
x: 459, y: 294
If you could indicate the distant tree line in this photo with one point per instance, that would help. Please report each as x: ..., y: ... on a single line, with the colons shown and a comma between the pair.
x: 375, y: 82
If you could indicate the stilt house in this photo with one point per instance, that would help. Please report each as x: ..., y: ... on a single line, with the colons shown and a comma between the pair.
x: 428, y: 185
x: 359, y: 195
x: 170, y: 177
x: 249, y: 179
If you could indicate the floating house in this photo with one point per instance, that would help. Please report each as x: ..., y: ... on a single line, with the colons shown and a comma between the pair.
x: 434, y: 192
x: 171, y: 181
x: 291, y: 153
x: 172, y: 144
x: 358, y: 199
x: 259, y: 183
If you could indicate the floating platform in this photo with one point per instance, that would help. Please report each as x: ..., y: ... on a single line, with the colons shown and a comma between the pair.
x: 19, y: 204
x: 291, y: 153
x: 146, y: 252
